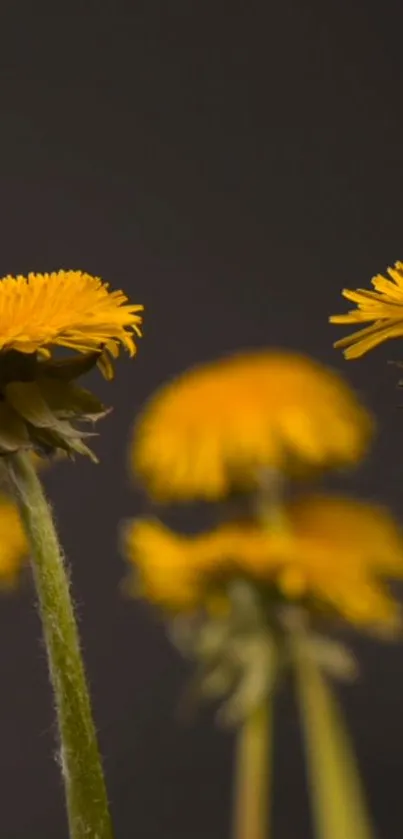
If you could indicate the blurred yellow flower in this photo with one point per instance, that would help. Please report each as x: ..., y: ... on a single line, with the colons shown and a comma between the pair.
x: 65, y: 308
x: 13, y: 543
x: 219, y: 426
x: 330, y: 555
x: 384, y: 307
x: 165, y: 562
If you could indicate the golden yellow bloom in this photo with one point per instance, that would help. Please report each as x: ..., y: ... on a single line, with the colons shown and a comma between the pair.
x: 65, y: 308
x: 39, y: 400
x: 331, y: 556
x: 166, y: 575
x: 13, y: 544
x: 221, y: 425
x: 384, y: 307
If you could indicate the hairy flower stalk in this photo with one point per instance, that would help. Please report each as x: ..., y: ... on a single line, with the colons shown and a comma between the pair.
x: 86, y: 798
x: 43, y: 411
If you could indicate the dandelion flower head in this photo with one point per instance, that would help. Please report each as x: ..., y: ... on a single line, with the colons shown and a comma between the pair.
x: 221, y: 424
x: 40, y: 404
x: 65, y: 308
x: 331, y: 557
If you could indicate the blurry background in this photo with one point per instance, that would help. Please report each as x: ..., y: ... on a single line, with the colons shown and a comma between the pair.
x: 232, y: 168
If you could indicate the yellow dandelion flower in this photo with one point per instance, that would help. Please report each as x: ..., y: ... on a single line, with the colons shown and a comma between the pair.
x: 384, y: 307
x: 39, y: 401
x: 13, y: 543
x: 65, y: 308
x: 332, y: 556
x: 221, y: 425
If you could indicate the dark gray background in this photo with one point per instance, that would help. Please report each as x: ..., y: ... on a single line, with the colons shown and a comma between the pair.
x: 231, y: 168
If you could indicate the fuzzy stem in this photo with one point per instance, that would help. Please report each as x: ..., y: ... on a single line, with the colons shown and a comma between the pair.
x: 86, y: 799
x: 251, y: 789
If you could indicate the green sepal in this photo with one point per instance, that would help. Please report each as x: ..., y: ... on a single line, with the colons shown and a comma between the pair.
x: 239, y: 670
x: 239, y: 656
x: 258, y: 662
x: 46, y: 430
x: 68, y: 401
x: 17, y: 367
x: 242, y: 654
x: 68, y: 369
x: 46, y: 441
x: 71, y: 368
x: 41, y: 406
x: 332, y: 657
x: 27, y: 400
x: 13, y: 431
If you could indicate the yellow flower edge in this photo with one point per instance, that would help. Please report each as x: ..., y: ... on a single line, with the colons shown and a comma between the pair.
x: 221, y: 425
x: 13, y: 544
x: 384, y: 307
x: 14, y: 549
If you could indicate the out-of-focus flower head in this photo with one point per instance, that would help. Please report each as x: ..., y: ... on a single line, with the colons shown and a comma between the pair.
x: 384, y: 307
x: 329, y: 558
x: 238, y: 597
x: 40, y: 402
x: 13, y: 543
x: 221, y: 425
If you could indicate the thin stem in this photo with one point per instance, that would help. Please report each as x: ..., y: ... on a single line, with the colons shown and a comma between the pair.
x: 86, y: 799
x: 251, y: 789
x: 338, y: 801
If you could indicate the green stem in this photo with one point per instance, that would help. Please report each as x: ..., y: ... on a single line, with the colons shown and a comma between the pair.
x: 251, y: 789
x: 87, y: 805
x: 338, y: 801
